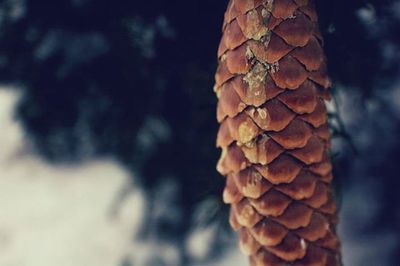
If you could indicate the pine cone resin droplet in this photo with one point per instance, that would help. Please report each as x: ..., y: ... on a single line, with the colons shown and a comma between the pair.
x: 271, y: 85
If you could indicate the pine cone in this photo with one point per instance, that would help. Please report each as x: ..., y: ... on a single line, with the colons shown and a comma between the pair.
x: 271, y: 83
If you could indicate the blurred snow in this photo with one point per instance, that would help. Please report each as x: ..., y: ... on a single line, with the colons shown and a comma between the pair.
x: 359, y: 210
x: 367, y: 14
x: 232, y: 258
x: 60, y: 215
x: 364, y: 196
x: 199, y: 242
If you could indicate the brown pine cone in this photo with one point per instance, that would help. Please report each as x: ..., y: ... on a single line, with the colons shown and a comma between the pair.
x: 271, y: 83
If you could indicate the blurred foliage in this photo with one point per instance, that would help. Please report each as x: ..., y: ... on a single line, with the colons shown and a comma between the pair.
x: 133, y: 80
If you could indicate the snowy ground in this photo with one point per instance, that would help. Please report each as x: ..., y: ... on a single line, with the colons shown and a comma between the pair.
x: 59, y: 215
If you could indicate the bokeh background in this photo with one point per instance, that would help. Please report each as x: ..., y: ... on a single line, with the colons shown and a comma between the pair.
x: 107, y: 132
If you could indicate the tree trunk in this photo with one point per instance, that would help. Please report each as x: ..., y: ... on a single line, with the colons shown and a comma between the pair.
x: 271, y: 83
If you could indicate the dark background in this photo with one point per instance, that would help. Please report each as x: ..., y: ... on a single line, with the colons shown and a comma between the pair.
x: 133, y: 80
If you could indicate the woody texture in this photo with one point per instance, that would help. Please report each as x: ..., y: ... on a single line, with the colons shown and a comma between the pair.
x: 271, y: 85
